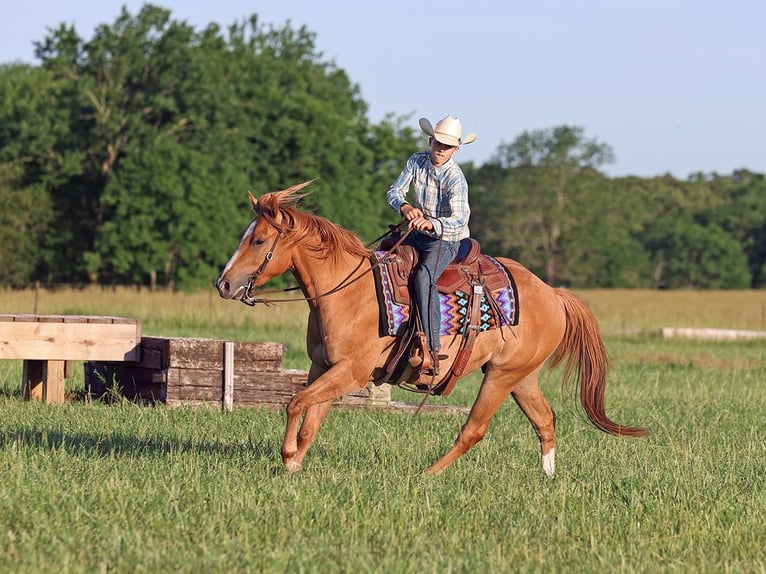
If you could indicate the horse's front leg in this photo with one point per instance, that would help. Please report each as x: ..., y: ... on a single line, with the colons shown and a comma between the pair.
x: 298, y: 441
x: 311, y: 405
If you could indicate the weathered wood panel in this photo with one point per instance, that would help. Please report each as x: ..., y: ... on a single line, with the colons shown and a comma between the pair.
x: 189, y: 371
x: 197, y: 353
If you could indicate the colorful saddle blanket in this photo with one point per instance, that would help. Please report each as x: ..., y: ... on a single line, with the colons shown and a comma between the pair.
x: 454, y: 297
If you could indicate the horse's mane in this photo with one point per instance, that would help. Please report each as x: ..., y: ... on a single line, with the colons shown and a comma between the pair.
x: 302, y: 227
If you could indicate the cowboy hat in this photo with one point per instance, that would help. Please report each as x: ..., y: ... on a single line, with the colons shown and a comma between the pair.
x: 447, y: 131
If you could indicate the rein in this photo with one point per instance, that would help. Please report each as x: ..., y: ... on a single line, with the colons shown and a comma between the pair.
x: 251, y: 300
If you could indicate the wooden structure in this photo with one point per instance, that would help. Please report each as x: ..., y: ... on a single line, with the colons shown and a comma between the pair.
x: 213, y: 373
x: 714, y: 334
x: 47, y: 343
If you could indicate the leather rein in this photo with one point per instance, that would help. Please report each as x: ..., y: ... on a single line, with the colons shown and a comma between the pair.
x: 250, y: 298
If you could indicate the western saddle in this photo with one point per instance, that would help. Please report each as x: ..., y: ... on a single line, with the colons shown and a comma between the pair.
x: 471, y: 272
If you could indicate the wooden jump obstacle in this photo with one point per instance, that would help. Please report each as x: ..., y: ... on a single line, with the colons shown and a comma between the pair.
x: 173, y: 371
x: 212, y: 373
x: 47, y: 344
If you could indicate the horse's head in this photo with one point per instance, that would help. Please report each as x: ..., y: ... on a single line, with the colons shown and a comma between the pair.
x: 262, y: 253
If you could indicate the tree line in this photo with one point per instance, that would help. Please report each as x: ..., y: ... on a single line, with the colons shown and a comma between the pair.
x: 126, y: 159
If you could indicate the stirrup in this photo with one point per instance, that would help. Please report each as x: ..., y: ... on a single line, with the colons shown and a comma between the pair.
x: 421, y: 357
x: 428, y: 365
x: 431, y: 369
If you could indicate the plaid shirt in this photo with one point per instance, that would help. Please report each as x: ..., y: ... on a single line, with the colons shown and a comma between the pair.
x: 441, y: 192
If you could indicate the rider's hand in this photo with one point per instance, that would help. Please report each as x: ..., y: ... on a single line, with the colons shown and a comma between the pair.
x: 409, y: 212
x: 416, y: 218
x: 421, y: 224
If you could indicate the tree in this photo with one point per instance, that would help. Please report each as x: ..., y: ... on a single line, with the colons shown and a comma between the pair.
x: 32, y: 162
x: 741, y: 212
x: 601, y: 248
x: 545, y: 166
x: 690, y: 255
x: 168, y: 128
x: 24, y: 215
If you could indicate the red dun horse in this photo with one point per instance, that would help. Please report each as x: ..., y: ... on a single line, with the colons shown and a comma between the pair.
x: 332, y: 268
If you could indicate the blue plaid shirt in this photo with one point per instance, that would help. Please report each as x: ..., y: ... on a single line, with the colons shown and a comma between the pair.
x: 441, y: 192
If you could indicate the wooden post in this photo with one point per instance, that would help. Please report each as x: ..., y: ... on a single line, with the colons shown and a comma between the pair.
x: 43, y: 381
x: 53, y: 385
x: 228, y: 375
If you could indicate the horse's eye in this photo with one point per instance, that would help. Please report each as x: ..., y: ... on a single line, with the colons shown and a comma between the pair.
x: 257, y: 241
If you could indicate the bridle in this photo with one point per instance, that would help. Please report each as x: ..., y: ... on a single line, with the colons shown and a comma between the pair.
x: 249, y: 297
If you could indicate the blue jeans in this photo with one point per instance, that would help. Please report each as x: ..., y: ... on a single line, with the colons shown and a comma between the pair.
x: 435, y: 255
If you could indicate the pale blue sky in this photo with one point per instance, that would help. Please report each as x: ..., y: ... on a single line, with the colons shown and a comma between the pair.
x: 674, y: 86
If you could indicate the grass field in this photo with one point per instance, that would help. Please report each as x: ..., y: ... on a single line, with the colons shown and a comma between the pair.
x: 87, y: 487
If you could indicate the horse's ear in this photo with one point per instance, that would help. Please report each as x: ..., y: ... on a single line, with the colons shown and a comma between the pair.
x: 269, y: 205
x: 253, y: 202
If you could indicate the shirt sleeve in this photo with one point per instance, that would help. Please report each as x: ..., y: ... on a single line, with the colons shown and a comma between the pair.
x: 454, y: 216
x: 396, y: 196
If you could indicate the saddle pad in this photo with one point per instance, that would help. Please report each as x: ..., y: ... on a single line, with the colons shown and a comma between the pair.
x: 454, y: 306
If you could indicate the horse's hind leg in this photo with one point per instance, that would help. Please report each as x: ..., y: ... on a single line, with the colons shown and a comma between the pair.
x: 491, y: 395
x: 531, y: 401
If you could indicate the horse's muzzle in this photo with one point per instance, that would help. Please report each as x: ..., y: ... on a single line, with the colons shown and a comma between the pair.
x: 224, y: 288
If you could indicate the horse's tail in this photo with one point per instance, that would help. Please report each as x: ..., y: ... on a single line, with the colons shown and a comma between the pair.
x: 587, y: 362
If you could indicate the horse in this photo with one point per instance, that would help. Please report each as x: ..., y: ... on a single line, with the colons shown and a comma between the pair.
x: 332, y: 268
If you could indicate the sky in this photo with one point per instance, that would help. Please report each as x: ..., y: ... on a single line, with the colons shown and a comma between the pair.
x: 673, y: 86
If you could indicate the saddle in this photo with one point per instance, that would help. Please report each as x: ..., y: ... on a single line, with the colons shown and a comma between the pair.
x: 469, y: 266
x: 472, y: 273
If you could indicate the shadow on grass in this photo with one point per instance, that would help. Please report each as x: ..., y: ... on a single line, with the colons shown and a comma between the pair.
x: 125, y: 445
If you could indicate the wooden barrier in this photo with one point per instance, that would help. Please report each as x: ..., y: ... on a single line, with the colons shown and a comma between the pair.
x: 715, y: 334
x: 47, y: 343
x: 213, y: 373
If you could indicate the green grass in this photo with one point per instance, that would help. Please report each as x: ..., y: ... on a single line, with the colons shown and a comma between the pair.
x: 89, y: 487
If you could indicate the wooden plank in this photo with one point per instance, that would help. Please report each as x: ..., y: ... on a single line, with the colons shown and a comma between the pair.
x: 228, y: 375
x: 190, y: 393
x: 191, y: 353
x: 51, y: 338
x: 279, y: 397
x: 197, y: 353
x: 194, y: 403
x: 196, y: 378
x: 258, y: 357
x: 714, y: 334
x: 207, y: 384
x: 34, y: 318
x: 19, y: 318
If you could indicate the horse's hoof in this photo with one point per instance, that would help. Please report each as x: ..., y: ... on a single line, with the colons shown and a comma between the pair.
x: 293, y: 467
x: 432, y: 471
x: 549, y: 463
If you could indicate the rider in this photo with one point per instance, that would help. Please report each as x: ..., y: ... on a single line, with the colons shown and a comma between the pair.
x: 438, y: 216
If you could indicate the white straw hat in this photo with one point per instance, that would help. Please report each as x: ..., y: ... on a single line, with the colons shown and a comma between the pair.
x: 448, y: 131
